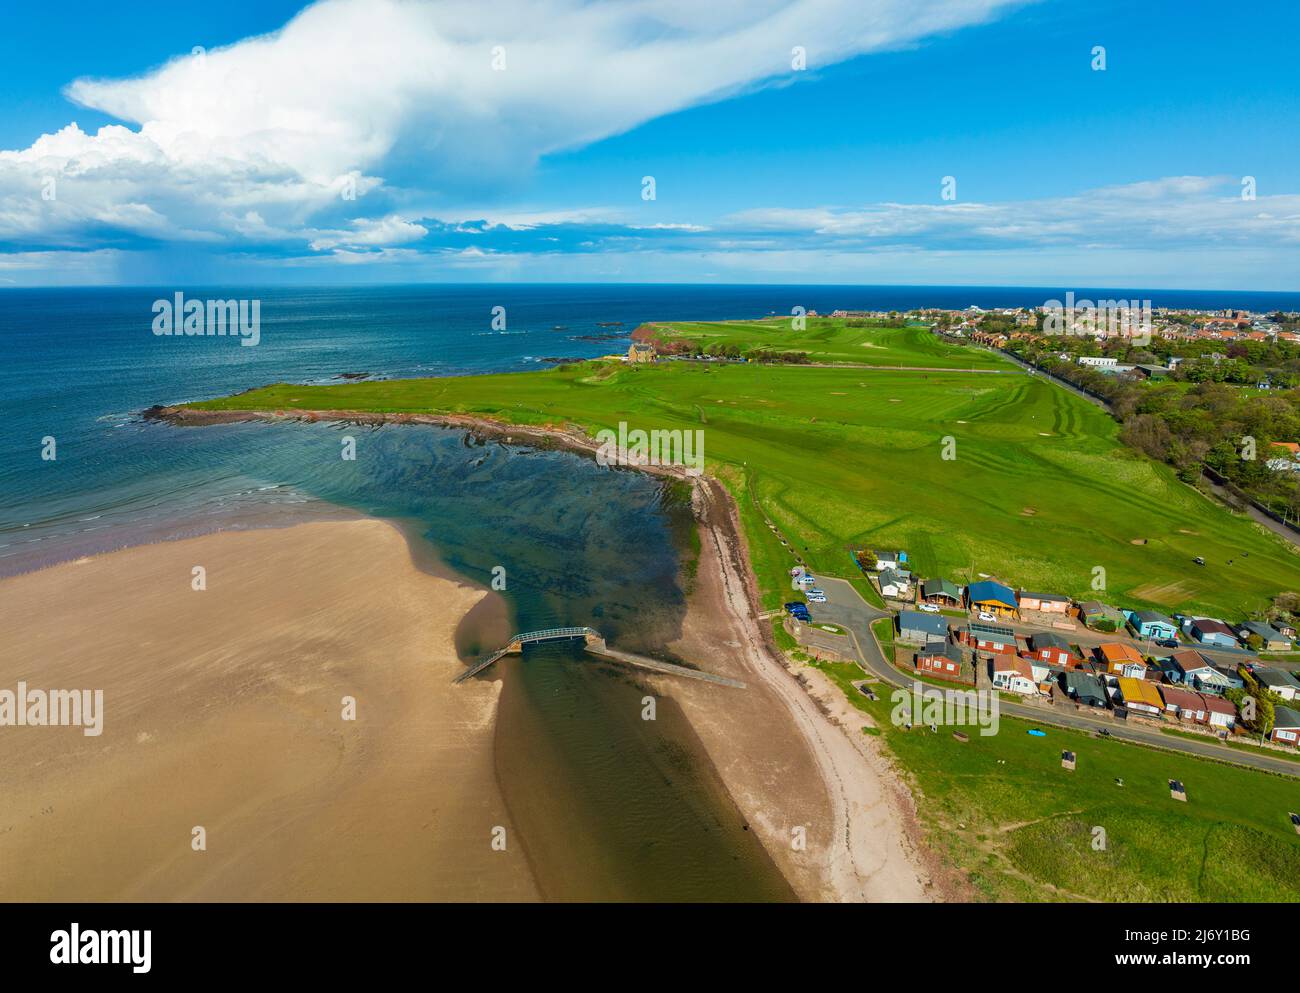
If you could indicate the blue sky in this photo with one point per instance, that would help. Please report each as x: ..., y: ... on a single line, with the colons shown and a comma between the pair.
x: 234, y: 165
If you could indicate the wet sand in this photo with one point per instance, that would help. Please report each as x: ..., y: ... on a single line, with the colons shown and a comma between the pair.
x: 223, y: 709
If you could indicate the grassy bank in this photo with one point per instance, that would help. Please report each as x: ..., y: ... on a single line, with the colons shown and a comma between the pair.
x: 835, y: 340
x: 1037, y: 492
x: 1004, y: 809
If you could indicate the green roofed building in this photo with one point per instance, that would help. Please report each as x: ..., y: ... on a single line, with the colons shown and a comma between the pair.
x: 1101, y: 616
x: 941, y: 592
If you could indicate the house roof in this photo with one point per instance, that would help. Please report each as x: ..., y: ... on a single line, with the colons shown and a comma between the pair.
x: 1181, y: 698
x: 1277, y: 677
x: 888, y: 576
x: 987, y: 591
x: 1140, y: 691
x: 945, y: 648
x: 1048, y: 639
x: 1209, y: 626
x: 1265, y: 631
x: 1014, y: 663
x: 1285, y: 717
x: 991, y: 632
x: 1151, y: 617
x: 913, y: 620
x: 1222, y: 705
x: 1084, y: 685
x: 1093, y: 608
x: 1189, y: 660
x: 1045, y: 596
x: 1114, y: 651
x: 941, y: 587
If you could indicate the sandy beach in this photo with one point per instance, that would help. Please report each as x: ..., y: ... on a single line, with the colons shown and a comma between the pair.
x: 223, y: 709
x: 790, y: 760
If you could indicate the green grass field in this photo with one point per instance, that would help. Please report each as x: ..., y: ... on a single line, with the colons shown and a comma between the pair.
x: 1004, y: 809
x: 1039, y: 494
x: 832, y: 340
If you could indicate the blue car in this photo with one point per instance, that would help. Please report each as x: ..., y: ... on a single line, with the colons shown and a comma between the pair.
x: 798, y: 609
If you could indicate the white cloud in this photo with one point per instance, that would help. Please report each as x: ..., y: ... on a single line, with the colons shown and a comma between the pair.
x: 250, y: 142
x: 384, y: 231
x: 1177, y: 211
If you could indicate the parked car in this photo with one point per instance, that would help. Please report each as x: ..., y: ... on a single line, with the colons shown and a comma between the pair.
x: 928, y: 608
x: 1167, y: 642
x: 986, y: 616
x: 815, y: 597
x: 797, y: 607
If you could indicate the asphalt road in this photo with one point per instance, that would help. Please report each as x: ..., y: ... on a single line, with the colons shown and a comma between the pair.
x: 846, y: 607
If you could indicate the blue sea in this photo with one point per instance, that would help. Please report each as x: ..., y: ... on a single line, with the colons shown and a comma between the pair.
x: 580, y: 544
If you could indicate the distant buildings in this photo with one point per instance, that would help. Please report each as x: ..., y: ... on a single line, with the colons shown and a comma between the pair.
x: 641, y: 352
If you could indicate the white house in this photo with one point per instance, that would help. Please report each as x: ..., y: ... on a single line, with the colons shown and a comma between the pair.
x: 894, y: 584
x: 1222, y: 713
x: 890, y: 560
x: 1014, y: 674
x: 1098, y: 361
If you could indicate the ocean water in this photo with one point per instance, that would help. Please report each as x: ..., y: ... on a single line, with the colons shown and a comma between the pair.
x: 618, y: 808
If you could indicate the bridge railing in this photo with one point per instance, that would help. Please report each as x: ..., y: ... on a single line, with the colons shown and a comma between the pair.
x: 528, y: 636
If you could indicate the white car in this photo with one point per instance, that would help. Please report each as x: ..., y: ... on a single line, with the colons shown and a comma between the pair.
x: 928, y: 608
x: 986, y: 616
x: 814, y: 597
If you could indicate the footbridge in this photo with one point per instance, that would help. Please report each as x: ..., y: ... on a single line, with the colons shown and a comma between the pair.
x: 594, y: 644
